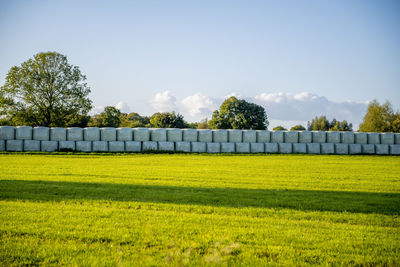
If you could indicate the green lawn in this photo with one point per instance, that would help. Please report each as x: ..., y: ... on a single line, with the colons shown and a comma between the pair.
x: 177, y: 209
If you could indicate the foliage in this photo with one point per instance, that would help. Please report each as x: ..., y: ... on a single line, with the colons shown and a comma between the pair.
x: 110, y: 117
x: 168, y: 120
x: 380, y: 118
x: 298, y: 128
x: 134, y: 120
x: 239, y: 114
x: 45, y: 91
x: 279, y: 128
x: 171, y: 210
x: 322, y: 124
x: 203, y: 124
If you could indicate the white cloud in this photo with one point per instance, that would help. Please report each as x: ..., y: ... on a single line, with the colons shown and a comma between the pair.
x: 123, y: 107
x: 199, y: 106
x: 164, y: 102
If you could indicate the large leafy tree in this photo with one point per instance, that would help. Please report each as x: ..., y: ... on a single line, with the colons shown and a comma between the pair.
x: 239, y: 114
x: 45, y: 91
x: 321, y: 123
x: 168, y: 120
x: 110, y: 117
x: 380, y: 118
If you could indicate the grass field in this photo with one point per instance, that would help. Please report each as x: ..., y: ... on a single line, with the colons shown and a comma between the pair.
x: 160, y: 209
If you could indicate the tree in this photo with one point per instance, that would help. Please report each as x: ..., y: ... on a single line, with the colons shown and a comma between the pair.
x: 110, y: 117
x: 134, y: 120
x: 298, y: 128
x: 45, y: 91
x: 279, y: 128
x: 203, y: 124
x: 322, y: 124
x: 239, y: 114
x: 168, y: 120
x: 380, y: 118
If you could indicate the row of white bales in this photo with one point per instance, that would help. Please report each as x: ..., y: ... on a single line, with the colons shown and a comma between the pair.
x: 25, y: 138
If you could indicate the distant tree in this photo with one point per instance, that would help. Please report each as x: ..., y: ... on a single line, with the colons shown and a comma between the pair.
x: 279, y: 128
x: 134, y: 120
x: 45, y: 91
x: 380, y: 118
x: 203, y: 124
x: 110, y: 117
x: 298, y: 128
x: 168, y: 120
x: 322, y: 124
x: 239, y: 114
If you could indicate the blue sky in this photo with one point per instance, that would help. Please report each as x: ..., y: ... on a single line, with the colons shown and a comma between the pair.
x: 299, y: 59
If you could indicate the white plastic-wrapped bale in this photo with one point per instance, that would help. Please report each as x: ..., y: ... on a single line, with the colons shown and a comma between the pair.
x: 174, y: 135
x: 75, y: 134
x: 291, y: 137
x: 124, y: 134
x: 31, y: 145
x: 108, y: 134
x: 49, y: 146
x: 342, y: 149
x: 355, y: 149
x: 387, y: 138
x: 158, y: 134
x: 41, y: 133
x: 205, y: 135
x: 394, y: 149
x: 271, y: 148
x: 257, y: 147
x: 333, y: 137
x: 133, y: 146
x: 242, y: 147
x: 7, y: 133
x: 198, y: 147
x: 368, y: 149
x: 220, y: 136
x: 382, y: 149
x: 285, y: 148
x: 299, y: 148
x: 305, y: 137
x: 15, y: 145
x: 249, y: 136
x: 58, y: 134
x: 83, y: 146
x: 235, y: 136
x: 183, y: 146
x: 141, y: 134
x: 23, y: 133
x: 116, y: 146
x: 313, y: 148
x: 327, y: 148
x: 263, y: 136
x: 149, y: 146
x: 100, y: 146
x: 319, y: 137
x: 277, y: 137
x: 397, y: 138
x: 91, y: 134
x: 347, y: 137
x: 166, y: 146
x: 213, y: 148
x: 2, y: 145
x: 374, y: 138
x: 189, y: 135
x: 228, y: 147
x: 361, y: 138
x: 66, y: 145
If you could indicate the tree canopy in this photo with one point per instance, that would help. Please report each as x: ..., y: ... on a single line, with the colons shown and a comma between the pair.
x: 321, y: 123
x: 380, y: 118
x: 110, y: 117
x: 239, y: 114
x: 298, y: 128
x: 279, y: 128
x: 168, y: 120
x: 45, y: 91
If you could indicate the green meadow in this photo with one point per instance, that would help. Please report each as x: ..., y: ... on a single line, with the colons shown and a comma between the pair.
x: 199, y: 209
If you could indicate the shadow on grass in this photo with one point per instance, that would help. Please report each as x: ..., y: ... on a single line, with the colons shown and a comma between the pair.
x: 357, y: 202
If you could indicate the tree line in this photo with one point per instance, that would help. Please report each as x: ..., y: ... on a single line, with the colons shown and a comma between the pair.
x: 47, y: 91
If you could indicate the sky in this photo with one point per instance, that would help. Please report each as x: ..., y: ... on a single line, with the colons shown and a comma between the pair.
x: 298, y: 59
